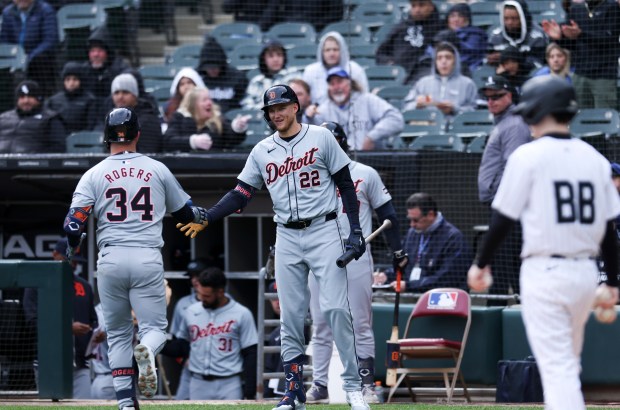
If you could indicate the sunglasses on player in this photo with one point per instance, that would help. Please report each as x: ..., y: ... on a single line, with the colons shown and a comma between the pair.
x: 495, y: 97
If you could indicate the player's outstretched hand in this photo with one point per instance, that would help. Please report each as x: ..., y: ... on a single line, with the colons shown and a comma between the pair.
x: 192, y: 229
x: 356, y: 242
x: 479, y: 279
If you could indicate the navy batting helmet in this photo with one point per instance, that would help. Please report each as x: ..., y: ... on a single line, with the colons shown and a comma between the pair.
x: 338, y: 132
x: 544, y: 95
x: 278, y: 94
x: 121, y: 125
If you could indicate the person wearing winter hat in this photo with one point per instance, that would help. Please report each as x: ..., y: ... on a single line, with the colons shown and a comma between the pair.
x: 186, y: 79
x: 30, y: 127
x: 76, y: 107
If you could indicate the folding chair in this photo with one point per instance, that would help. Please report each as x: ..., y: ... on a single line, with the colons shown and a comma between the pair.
x: 437, y: 142
x: 292, y: 34
x: 230, y: 35
x: 79, y: 15
x: 421, y: 122
x: 436, y: 334
x: 376, y: 14
x: 85, y: 141
x: 353, y: 33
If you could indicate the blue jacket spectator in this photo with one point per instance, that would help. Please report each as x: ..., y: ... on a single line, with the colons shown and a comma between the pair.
x: 558, y: 63
x: 472, y: 40
x: 32, y: 24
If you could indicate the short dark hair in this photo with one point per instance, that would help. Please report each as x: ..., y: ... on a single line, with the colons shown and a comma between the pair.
x: 423, y: 201
x: 212, y: 278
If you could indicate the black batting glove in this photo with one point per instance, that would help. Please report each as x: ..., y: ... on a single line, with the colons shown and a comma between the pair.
x: 400, y: 259
x: 356, y: 242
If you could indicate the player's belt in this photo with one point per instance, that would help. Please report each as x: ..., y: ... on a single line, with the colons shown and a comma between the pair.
x: 556, y: 256
x: 211, y: 377
x: 303, y: 224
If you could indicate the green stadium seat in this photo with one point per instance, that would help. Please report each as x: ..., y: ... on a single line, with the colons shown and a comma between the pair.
x: 85, y: 141
x: 292, y: 34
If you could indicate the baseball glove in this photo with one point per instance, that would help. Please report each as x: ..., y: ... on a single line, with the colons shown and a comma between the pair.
x: 192, y: 229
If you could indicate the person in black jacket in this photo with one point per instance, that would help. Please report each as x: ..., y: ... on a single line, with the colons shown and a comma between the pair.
x: 407, y: 43
x: 30, y: 128
x: 76, y: 108
x: 226, y: 84
x: 198, y: 125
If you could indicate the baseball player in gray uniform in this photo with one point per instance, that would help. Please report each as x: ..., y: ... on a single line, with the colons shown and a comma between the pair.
x: 302, y: 165
x: 371, y: 195
x: 129, y: 194
x: 561, y: 190
x: 220, y: 335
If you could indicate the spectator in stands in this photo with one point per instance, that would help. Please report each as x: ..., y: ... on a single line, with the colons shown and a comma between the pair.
x: 32, y: 24
x: 509, y: 133
x: 446, y: 89
x: 592, y: 36
x: 198, y: 125
x: 438, y: 252
x: 76, y: 108
x: 512, y: 67
x: 226, y: 84
x: 368, y: 120
x: 186, y: 79
x: 30, y: 128
x: 272, y: 66
x: 308, y: 108
x: 194, y: 268
x: 558, y: 63
x: 83, y: 323
x: 472, y: 40
x: 408, y: 41
x: 519, y: 30
x: 332, y: 52
x: 102, y: 67
x: 126, y: 94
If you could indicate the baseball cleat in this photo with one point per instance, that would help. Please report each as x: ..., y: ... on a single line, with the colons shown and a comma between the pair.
x: 317, y: 394
x: 147, y: 373
x: 356, y: 400
x: 288, y: 403
x: 370, y: 395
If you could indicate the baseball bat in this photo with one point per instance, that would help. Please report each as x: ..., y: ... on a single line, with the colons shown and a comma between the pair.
x: 349, y: 255
x: 393, y: 348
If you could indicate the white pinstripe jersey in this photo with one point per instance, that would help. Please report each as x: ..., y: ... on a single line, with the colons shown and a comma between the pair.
x: 562, y: 191
x: 297, y: 173
x: 131, y: 194
x: 217, y: 336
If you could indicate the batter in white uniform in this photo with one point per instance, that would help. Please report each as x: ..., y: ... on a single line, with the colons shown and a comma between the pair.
x: 561, y: 190
x: 371, y: 195
x: 129, y: 194
x: 302, y: 165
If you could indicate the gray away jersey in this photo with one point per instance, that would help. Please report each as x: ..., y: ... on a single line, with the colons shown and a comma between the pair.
x: 217, y: 336
x: 131, y: 194
x: 371, y: 194
x: 297, y: 173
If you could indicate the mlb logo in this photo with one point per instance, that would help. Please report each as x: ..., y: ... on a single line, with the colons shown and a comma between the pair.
x: 442, y: 300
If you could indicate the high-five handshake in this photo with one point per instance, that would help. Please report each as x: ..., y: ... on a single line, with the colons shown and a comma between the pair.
x: 200, y: 222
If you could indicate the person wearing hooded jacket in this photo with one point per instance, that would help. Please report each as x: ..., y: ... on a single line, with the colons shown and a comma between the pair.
x: 332, y: 51
x: 408, y: 41
x: 30, y: 128
x: 272, y: 66
x: 446, y: 89
x: 186, y: 79
x: 226, y: 84
x: 76, y: 108
x: 517, y: 29
x: 472, y: 40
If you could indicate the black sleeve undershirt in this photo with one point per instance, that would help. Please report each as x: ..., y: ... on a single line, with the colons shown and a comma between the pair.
x: 387, y: 211
x: 345, y: 185
x: 232, y: 202
x: 184, y: 215
x: 498, y: 229
x: 609, y: 254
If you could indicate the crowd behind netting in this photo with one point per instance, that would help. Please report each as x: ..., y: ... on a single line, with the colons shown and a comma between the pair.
x: 389, y: 72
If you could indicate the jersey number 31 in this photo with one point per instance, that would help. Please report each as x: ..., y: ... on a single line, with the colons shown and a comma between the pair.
x: 574, y: 202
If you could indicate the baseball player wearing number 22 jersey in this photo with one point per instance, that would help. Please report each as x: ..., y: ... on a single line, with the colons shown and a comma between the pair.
x: 301, y: 166
x: 129, y: 194
x: 561, y: 190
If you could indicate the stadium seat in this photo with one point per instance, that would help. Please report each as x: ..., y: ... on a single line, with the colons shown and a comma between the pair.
x: 376, y: 14
x: 156, y: 76
x: 187, y: 55
x: 363, y: 54
x: 436, y: 355
x: 539, y: 7
x: 381, y: 34
x: 471, y: 124
x: 301, y: 56
x: 79, y: 15
x: 161, y: 95
x: 13, y: 56
x: 353, y: 33
x: 394, y: 94
x: 437, y: 142
x: 383, y: 75
x: 292, y: 34
x: 85, y: 141
x: 257, y: 127
x: 476, y: 146
x: 485, y: 14
x: 481, y: 74
x: 597, y: 126
x: 230, y: 35
x: 245, y: 57
x: 421, y: 122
